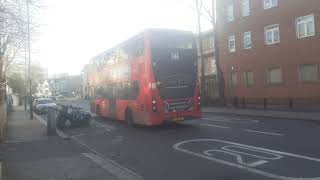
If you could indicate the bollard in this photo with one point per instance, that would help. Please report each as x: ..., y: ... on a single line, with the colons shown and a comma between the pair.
x: 265, y: 103
x: 52, y: 119
x: 290, y: 103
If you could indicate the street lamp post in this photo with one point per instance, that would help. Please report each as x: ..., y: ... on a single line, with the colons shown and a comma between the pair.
x: 29, y: 58
x: 25, y: 76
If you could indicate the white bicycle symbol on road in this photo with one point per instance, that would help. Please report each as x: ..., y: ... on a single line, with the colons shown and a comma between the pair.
x: 253, y: 159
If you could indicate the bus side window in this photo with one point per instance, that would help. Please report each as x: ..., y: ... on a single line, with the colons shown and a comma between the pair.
x: 135, y: 48
x: 139, y: 48
x: 122, y: 90
x: 113, y: 94
x: 134, y: 90
x: 98, y: 93
x: 106, y: 92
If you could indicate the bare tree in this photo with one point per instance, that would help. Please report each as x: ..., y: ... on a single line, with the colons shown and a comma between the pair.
x: 13, y: 31
x: 210, y: 14
x: 198, y: 6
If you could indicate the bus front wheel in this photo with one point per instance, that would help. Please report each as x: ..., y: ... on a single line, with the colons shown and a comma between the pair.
x: 129, y: 117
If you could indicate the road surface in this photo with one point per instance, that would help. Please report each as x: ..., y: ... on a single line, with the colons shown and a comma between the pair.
x: 214, y: 147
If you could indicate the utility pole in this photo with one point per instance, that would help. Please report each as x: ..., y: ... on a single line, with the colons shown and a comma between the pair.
x: 199, y: 6
x: 30, y: 83
x: 25, y: 76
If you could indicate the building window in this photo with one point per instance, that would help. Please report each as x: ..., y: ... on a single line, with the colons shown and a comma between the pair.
x: 309, y: 72
x: 247, y: 40
x: 233, y: 79
x: 207, y: 43
x: 274, y: 75
x: 272, y: 34
x: 209, y: 66
x: 230, y: 12
x: 232, y: 43
x: 245, y: 8
x: 305, y: 26
x: 270, y: 3
x: 248, y: 78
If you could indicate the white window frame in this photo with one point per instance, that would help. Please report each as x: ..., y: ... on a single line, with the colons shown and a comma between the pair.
x: 246, y: 78
x: 273, y: 3
x: 230, y: 12
x: 245, y: 8
x: 245, y: 35
x: 268, y: 75
x: 317, y: 73
x: 236, y: 82
x: 271, y: 28
x: 232, y: 38
x: 304, y: 23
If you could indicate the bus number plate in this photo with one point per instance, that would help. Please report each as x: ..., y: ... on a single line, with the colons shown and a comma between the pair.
x: 178, y: 119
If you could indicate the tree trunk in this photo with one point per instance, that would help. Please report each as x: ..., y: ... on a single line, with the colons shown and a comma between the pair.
x: 1, y: 68
x: 220, y: 77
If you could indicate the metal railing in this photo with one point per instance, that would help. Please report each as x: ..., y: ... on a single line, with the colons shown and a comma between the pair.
x: 294, y: 104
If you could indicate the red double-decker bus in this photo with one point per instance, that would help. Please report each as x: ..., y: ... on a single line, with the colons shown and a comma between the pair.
x: 149, y: 79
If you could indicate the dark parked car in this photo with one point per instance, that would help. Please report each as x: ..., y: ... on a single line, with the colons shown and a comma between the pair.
x: 71, y: 116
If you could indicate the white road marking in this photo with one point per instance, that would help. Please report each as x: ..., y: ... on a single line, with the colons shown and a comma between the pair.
x: 106, y: 127
x: 232, y: 148
x: 62, y: 134
x: 230, y: 120
x: 211, y: 125
x: 40, y: 119
x: 241, y: 166
x: 78, y: 135
x: 238, y: 157
x: 119, y: 172
x: 97, y: 157
x: 26, y: 141
x: 262, y: 132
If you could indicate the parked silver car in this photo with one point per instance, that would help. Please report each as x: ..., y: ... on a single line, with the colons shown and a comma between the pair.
x: 41, y: 105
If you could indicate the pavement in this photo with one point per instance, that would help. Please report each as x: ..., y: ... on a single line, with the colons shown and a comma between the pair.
x: 31, y: 155
x: 311, y: 116
x: 20, y: 128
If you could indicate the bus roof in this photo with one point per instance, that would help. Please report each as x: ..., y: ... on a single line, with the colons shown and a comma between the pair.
x: 152, y: 31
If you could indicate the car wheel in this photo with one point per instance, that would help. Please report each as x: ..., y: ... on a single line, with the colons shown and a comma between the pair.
x: 67, y: 124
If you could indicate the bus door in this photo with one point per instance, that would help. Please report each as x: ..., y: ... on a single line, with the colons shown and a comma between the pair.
x: 112, y: 103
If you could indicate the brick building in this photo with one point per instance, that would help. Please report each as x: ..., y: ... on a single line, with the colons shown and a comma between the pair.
x: 210, y: 70
x: 270, y: 48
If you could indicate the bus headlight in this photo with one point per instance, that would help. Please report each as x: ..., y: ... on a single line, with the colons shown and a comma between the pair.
x: 154, y: 105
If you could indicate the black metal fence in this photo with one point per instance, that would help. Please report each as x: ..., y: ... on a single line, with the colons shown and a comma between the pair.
x: 295, y: 104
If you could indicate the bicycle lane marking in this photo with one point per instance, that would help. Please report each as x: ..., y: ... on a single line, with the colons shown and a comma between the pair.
x: 244, y: 130
x: 264, y: 132
x: 253, y: 159
x: 230, y: 120
x: 213, y: 125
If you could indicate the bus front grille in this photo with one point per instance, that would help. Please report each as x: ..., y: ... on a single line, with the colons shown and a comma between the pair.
x: 178, y: 105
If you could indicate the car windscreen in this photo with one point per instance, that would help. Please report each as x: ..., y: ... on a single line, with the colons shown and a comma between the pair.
x: 45, y: 101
